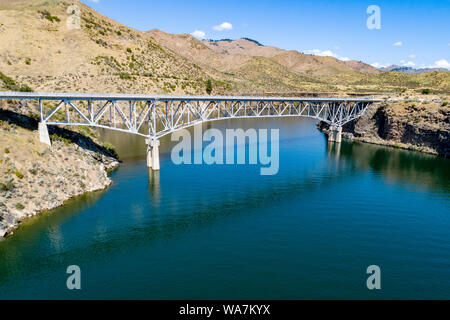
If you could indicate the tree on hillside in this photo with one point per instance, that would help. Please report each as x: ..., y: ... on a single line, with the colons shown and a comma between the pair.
x: 209, y: 86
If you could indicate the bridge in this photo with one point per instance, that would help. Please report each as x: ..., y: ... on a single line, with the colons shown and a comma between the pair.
x: 154, y: 116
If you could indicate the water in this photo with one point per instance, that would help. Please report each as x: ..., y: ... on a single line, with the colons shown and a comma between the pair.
x: 213, y: 232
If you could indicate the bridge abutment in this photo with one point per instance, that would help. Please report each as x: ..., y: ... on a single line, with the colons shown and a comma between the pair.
x: 43, y: 133
x: 335, y: 134
x: 153, y: 154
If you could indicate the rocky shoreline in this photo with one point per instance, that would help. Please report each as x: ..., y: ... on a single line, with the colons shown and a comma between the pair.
x: 35, y: 178
x: 423, y: 127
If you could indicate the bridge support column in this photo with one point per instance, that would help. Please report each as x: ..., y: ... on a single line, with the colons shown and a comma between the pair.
x: 149, y: 152
x: 335, y: 134
x: 153, y: 154
x: 43, y: 133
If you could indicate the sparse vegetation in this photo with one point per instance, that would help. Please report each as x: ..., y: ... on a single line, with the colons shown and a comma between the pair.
x: 46, y: 15
x: 19, y: 206
x: 7, y: 186
x: 10, y: 84
x: 111, y: 149
x: 426, y: 91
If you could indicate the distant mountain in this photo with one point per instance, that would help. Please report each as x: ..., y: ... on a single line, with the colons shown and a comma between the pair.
x: 409, y: 70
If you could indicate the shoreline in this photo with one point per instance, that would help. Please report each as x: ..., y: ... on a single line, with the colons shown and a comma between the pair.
x: 9, y: 231
x: 423, y: 128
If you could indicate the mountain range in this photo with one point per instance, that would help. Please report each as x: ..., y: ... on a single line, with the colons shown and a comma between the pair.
x: 42, y: 52
x: 410, y: 70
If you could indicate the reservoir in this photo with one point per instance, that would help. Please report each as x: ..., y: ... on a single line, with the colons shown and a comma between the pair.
x: 226, y: 232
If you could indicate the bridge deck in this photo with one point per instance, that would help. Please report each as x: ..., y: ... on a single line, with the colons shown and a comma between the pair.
x: 143, y: 97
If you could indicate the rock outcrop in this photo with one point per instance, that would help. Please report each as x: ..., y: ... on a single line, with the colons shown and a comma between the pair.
x: 423, y: 127
x: 35, y: 177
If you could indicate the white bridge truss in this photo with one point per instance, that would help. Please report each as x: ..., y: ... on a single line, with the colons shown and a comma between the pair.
x: 155, y: 116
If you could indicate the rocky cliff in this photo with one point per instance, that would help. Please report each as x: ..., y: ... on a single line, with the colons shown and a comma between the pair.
x: 35, y: 177
x: 421, y: 126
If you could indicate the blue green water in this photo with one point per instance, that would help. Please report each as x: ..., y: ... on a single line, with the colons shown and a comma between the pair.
x: 225, y: 232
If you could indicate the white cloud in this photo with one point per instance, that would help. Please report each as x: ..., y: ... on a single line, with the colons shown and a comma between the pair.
x: 223, y: 26
x: 326, y: 53
x: 398, y: 44
x: 198, y: 34
x: 408, y: 64
x: 441, y: 64
x: 412, y: 56
x: 378, y: 65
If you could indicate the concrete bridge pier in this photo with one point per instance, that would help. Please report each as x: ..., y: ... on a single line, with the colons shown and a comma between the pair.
x: 153, y: 154
x: 335, y: 134
x: 43, y: 133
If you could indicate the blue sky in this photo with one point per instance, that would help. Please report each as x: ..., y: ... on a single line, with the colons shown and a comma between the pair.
x: 413, y: 33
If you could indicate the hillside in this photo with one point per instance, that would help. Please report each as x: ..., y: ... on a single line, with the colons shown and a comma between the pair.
x: 45, y: 54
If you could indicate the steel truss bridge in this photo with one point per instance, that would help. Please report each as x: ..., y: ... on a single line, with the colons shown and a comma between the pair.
x: 154, y: 116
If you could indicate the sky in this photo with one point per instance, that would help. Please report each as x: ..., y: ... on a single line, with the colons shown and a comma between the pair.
x: 407, y: 33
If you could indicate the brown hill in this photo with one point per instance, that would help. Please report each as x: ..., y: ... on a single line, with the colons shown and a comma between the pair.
x: 103, y: 55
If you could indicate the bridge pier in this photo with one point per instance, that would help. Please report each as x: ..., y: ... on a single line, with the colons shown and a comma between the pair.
x: 335, y: 134
x: 43, y: 133
x: 153, y: 154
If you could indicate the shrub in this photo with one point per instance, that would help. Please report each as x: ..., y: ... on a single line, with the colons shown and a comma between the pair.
x: 7, y: 186
x: 6, y: 150
x: 129, y: 50
x: 25, y: 89
x: 19, y: 206
x: 125, y: 76
x: 28, y: 61
x: 46, y: 15
x: 209, y: 86
x: 55, y: 137
x: 426, y: 91
x: 19, y: 174
x: 445, y: 103
x: 111, y: 149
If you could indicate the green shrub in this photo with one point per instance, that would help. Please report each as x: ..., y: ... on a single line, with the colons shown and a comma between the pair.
x: 426, y: 91
x: 125, y: 76
x: 46, y: 15
x: 28, y: 61
x: 445, y: 103
x: 111, y: 149
x: 209, y: 86
x: 129, y: 50
x: 6, y: 150
x: 7, y: 186
x: 55, y: 137
x: 19, y: 206
x: 19, y: 174
x: 25, y: 89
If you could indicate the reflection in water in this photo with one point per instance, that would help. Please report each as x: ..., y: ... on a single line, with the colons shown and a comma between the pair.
x: 419, y: 170
x: 154, y: 186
